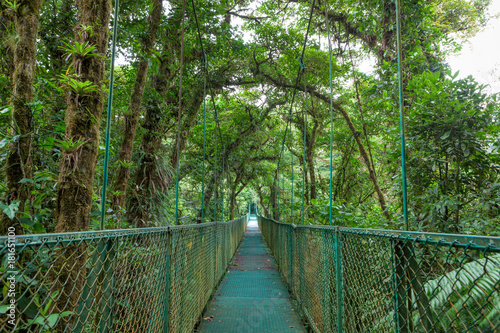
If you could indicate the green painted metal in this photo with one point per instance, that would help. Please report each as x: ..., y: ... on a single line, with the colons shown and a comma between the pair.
x: 97, y: 259
x: 179, y: 112
x: 304, y: 141
x: 292, y: 184
x: 364, y: 280
x: 216, y: 118
x: 401, y: 114
x: 166, y: 295
x: 252, y: 296
x: 108, y: 117
x: 204, y: 133
x: 338, y: 280
x: 294, y: 93
x: 222, y: 182
x: 283, y: 198
x: 139, y: 280
x: 108, y: 281
x: 331, y: 114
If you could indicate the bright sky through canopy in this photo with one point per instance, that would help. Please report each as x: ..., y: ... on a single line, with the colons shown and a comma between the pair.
x: 480, y: 56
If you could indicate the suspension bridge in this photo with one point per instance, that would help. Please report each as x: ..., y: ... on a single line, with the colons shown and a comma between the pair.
x: 237, y: 277
x: 252, y: 274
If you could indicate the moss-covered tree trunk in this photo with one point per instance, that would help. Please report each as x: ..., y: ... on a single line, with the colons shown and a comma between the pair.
x: 83, y: 116
x: 150, y: 176
x: 7, y: 46
x: 78, y: 161
x: 131, y: 118
x: 19, y: 164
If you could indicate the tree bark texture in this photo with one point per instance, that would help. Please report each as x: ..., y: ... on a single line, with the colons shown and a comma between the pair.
x: 19, y: 159
x: 83, y: 115
x: 78, y: 161
x: 149, y: 176
x: 131, y: 119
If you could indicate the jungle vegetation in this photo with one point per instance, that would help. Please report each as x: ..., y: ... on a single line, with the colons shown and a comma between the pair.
x: 54, y: 81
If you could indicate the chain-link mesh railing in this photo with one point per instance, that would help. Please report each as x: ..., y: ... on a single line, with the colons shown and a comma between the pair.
x: 137, y: 280
x: 359, y: 280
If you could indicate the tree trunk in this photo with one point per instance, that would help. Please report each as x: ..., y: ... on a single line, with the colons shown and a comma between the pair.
x: 19, y: 158
x: 151, y: 175
x: 261, y: 199
x: 190, y: 113
x: 78, y: 161
x: 131, y: 119
x: 76, y: 176
x: 6, y: 44
x: 366, y: 160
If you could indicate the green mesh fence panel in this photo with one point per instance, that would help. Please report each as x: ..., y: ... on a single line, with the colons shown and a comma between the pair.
x: 360, y: 280
x: 138, y: 280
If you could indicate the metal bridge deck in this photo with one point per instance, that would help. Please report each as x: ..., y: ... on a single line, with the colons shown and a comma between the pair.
x: 252, y: 297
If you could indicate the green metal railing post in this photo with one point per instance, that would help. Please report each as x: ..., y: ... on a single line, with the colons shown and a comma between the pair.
x: 108, y: 118
x: 107, y: 303
x: 338, y: 279
x: 292, y: 248
x: 400, y: 289
x: 89, y: 294
x: 401, y: 113
x: 166, y: 296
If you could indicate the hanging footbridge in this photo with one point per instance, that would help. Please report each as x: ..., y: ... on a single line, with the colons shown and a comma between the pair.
x: 220, y: 277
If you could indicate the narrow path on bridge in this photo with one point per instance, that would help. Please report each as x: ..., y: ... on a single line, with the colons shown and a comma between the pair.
x: 252, y: 297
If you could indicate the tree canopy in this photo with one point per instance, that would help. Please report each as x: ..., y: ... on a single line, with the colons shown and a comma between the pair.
x: 250, y: 121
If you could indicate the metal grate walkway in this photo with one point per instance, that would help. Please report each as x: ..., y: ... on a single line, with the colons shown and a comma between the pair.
x: 252, y: 297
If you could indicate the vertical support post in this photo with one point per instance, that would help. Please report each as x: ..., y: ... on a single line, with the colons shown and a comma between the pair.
x: 417, y: 285
x: 338, y: 279
x: 292, y: 248
x: 108, y: 283
x: 401, y: 288
x: 108, y: 117
x: 401, y: 113
x: 328, y: 279
x: 89, y: 294
x: 216, y: 269
x: 166, y: 296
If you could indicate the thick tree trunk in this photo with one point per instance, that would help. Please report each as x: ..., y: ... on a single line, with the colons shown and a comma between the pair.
x: 78, y: 162
x: 19, y: 159
x: 76, y: 176
x: 150, y: 176
x: 7, y: 46
x: 131, y: 119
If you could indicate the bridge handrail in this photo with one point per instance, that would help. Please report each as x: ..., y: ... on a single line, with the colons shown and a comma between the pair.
x: 368, y: 280
x: 129, y: 280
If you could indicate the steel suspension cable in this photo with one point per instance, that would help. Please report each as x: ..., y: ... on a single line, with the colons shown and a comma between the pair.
x: 304, y: 141
x: 212, y: 99
x: 223, y: 180
x: 331, y: 112
x: 291, y: 162
x: 215, y: 168
x: 108, y: 117
x: 297, y: 80
x: 204, y: 135
x: 401, y: 113
x: 337, y: 244
x: 179, y: 116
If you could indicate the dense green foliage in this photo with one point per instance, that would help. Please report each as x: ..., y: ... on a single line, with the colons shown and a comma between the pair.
x: 244, y: 97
